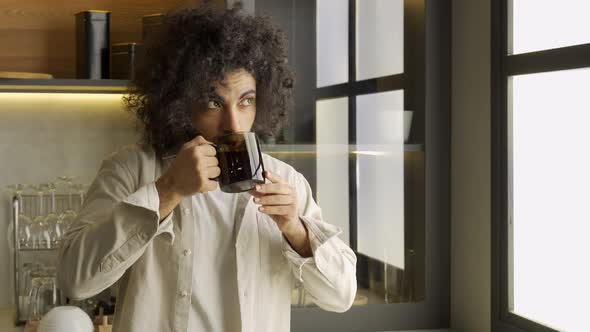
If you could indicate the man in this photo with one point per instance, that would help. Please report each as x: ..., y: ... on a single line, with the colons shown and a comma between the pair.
x: 187, y: 256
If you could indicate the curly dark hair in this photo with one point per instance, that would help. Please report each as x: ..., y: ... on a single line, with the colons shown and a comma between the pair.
x: 191, y: 50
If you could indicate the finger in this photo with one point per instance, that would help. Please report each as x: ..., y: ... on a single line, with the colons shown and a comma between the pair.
x: 254, y: 193
x: 213, y: 172
x: 200, y: 140
x: 210, y: 161
x: 274, y: 188
x: 207, y: 150
x: 274, y: 200
x: 279, y: 210
x: 211, y: 185
x: 272, y: 177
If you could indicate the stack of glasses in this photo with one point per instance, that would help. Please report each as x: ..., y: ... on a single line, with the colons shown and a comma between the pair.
x: 45, y: 212
x: 38, y: 292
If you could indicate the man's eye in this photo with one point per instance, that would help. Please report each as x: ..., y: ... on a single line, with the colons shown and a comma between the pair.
x: 248, y: 101
x: 214, y: 104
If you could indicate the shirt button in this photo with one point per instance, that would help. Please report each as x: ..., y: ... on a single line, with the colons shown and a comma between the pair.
x: 186, y: 252
x: 186, y: 211
x: 183, y: 294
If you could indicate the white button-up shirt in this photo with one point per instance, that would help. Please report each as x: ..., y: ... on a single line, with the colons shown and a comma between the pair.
x: 117, y: 237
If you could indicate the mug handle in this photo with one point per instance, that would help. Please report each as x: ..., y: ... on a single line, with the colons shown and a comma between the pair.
x: 260, y: 162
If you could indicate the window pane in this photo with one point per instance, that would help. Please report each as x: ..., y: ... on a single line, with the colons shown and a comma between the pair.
x: 332, y: 162
x: 379, y: 38
x: 380, y: 177
x: 332, y: 42
x: 545, y: 24
x: 551, y: 189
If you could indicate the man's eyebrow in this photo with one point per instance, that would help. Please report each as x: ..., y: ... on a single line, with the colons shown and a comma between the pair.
x: 247, y: 93
x: 216, y: 97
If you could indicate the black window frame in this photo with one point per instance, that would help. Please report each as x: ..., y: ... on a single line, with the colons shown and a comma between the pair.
x: 503, y: 67
x: 427, y: 30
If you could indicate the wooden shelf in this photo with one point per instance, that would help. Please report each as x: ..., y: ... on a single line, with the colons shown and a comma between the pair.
x: 37, y: 249
x: 413, y: 147
x: 64, y: 85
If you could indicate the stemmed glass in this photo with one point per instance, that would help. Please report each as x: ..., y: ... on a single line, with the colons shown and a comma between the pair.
x: 69, y: 215
x: 39, y: 230
x: 81, y: 191
x: 52, y: 220
x: 24, y: 222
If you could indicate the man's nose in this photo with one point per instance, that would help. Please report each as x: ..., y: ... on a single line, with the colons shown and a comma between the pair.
x: 232, y: 121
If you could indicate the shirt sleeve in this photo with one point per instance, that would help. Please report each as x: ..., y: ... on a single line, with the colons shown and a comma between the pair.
x: 148, y: 198
x: 330, y: 274
x: 317, y: 237
x: 118, y: 220
x: 166, y: 227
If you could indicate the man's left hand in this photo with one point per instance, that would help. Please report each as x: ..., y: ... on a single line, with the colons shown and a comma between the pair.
x: 278, y: 199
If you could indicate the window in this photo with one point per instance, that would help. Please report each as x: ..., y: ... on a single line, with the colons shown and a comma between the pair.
x: 380, y: 178
x: 540, y: 178
x: 359, y: 132
x: 542, y: 25
x: 332, y: 42
x: 332, y: 162
x: 379, y: 38
x: 361, y: 66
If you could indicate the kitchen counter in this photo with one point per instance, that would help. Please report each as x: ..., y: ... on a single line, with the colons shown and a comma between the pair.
x: 7, y: 317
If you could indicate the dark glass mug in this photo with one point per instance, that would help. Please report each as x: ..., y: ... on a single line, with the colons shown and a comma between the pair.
x: 240, y: 161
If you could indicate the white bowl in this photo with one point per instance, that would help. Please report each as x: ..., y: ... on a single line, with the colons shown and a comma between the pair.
x: 66, y: 318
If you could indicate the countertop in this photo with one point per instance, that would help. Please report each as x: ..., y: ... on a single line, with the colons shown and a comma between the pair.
x: 7, y: 317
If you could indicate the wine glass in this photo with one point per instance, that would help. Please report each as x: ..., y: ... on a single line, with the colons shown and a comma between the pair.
x: 52, y: 220
x: 24, y: 221
x: 39, y: 230
x: 69, y: 215
x: 81, y: 191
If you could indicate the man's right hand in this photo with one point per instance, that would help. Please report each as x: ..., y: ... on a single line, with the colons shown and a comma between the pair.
x: 191, y: 172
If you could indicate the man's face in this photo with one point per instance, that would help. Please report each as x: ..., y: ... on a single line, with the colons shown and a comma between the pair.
x: 231, y: 108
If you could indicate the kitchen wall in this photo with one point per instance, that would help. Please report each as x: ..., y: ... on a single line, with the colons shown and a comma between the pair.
x: 470, y: 175
x: 46, y: 135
